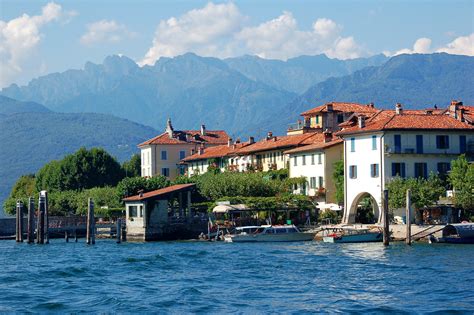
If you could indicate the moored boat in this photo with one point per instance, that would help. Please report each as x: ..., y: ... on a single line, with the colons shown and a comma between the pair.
x: 269, y: 233
x: 352, y: 235
x: 460, y: 233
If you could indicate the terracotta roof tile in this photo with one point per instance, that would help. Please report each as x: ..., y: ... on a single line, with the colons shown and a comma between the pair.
x: 189, y: 136
x: 315, y: 146
x: 278, y: 142
x: 341, y: 107
x: 216, y: 152
x: 159, y: 192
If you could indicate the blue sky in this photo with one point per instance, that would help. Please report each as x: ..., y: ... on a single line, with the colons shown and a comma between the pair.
x: 40, y: 37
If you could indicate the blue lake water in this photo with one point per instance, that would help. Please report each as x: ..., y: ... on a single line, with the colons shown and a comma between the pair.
x: 203, y: 277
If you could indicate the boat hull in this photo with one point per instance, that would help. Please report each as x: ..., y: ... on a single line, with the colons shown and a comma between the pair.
x: 357, y: 238
x: 249, y: 238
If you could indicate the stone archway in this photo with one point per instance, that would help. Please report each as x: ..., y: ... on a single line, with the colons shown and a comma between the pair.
x: 352, y: 214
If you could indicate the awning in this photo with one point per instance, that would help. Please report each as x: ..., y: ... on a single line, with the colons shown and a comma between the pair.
x: 229, y: 208
x: 329, y: 206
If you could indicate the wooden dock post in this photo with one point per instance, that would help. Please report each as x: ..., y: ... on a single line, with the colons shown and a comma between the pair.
x: 386, y: 226
x: 75, y: 235
x: 66, y: 236
x: 31, y: 218
x: 119, y: 231
x: 408, y: 217
x: 19, y: 221
x: 46, y: 217
x: 40, y: 221
x: 90, y: 235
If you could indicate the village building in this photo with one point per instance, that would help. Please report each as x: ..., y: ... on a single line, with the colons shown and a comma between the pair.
x: 315, y: 162
x: 328, y: 117
x: 407, y: 143
x: 162, y: 154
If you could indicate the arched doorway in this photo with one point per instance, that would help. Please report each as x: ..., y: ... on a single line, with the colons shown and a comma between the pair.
x: 364, y: 209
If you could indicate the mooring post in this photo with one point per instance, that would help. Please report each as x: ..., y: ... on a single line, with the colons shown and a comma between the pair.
x: 19, y: 221
x: 40, y: 225
x: 119, y: 231
x: 46, y: 216
x: 75, y: 235
x: 386, y: 226
x: 408, y: 217
x: 31, y: 216
x: 90, y: 235
x: 66, y: 236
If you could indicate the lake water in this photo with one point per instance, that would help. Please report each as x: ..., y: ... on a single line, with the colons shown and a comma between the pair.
x: 203, y: 277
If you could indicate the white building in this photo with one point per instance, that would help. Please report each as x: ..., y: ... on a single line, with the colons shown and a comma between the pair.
x: 410, y: 143
x: 315, y: 162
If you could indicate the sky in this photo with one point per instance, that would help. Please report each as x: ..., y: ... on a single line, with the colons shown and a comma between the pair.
x: 41, y: 37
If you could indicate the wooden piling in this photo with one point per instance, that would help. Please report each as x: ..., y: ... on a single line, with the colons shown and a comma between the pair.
x: 408, y: 217
x: 31, y: 218
x: 119, y: 231
x: 19, y: 222
x: 66, y: 236
x: 75, y: 235
x: 386, y: 226
x: 40, y: 221
x: 46, y: 216
x: 90, y: 235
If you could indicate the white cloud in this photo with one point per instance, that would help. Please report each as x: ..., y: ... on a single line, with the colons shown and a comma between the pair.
x: 203, y: 31
x: 463, y: 45
x: 219, y: 30
x: 19, y: 37
x: 105, y: 31
x: 421, y: 46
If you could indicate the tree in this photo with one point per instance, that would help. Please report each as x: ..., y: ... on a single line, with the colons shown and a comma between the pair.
x: 424, y: 192
x: 81, y: 170
x: 462, y: 179
x: 132, y: 168
x: 338, y: 176
x: 21, y: 190
x: 130, y: 186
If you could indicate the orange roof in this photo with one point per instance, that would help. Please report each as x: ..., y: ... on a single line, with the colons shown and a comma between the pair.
x: 189, y: 136
x: 341, y: 107
x: 159, y: 192
x: 408, y: 120
x: 216, y: 152
x: 279, y: 142
x: 315, y: 146
x: 468, y: 113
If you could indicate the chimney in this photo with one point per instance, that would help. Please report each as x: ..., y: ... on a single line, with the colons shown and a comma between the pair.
x: 398, y: 109
x: 169, y: 128
x: 429, y: 112
x: 329, y: 107
x: 193, y: 151
x: 269, y: 135
x: 140, y: 193
x: 238, y: 140
x: 460, y: 114
x: 327, y: 135
x: 203, y: 130
x: 453, y: 108
x: 229, y: 142
x: 361, y: 120
x: 371, y: 105
x: 201, y: 149
x: 251, y: 140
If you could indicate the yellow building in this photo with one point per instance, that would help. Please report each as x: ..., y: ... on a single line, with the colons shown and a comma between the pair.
x: 162, y: 154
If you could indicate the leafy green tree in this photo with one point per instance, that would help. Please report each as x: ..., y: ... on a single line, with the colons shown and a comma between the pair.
x: 130, y: 186
x: 80, y: 170
x: 462, y: 179
x: 21, y: 190
x: 132, y: 168
x: 338, y: 176
x: 424, y: 192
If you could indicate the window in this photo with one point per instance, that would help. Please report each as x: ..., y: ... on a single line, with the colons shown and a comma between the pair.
x: 353, y: 171
x: 444, y: 168
x: 340, y: 118
x: 202, y: 166
x: 164, y: 155
x: 419, y: 144
x: 304, y: 160
x: 442, y: 142
x: 182, y: 154
x: 398, y: 143
x: 353, y: 144
x: 374, y: 142
x: 181, y: 170
x: 319, y: 158
x: 132, y: 211
x: 421, y: 170
x: 320, y: 182
x: 317, y: 119
x: 140, y: 211
x: 312, y: 182
x: 295, y: 161
x: 398, y: 169
x: 374, y: 170
x: 165, y: 171
x: 312, y: 159
x: 462, y: 144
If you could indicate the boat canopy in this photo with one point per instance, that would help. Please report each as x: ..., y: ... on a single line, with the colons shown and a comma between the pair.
x: 464, y: 230
x: 230, y: 208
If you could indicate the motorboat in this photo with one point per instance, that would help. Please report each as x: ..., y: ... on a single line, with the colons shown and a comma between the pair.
x: 459, y: 233
x: 269, y: 233
x: 350, y: 234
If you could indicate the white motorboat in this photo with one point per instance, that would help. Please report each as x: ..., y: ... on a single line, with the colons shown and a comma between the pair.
x: 269, y: 233
x: 352, y: 235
